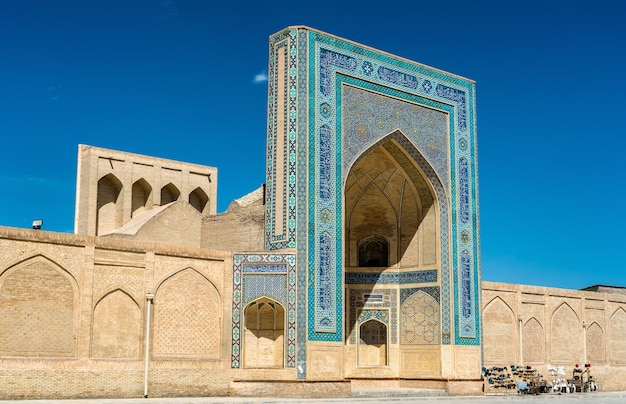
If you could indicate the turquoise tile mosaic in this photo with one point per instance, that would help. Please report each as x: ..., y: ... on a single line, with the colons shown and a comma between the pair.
x: 269, y: 275
x: 428, y: 113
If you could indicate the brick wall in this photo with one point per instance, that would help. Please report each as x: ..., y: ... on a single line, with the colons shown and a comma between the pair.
x: 73, y: 317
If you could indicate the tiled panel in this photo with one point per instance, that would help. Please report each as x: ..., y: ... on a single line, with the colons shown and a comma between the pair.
x: 264, y: 275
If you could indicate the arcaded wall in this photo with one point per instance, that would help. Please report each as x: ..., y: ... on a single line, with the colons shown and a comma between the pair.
x: 540, y: 327
x: 73, y: 313
x: 114, y: 187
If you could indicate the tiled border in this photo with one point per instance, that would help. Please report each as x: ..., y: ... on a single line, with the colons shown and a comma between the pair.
x: 247, y: 266
x: 394, y: 73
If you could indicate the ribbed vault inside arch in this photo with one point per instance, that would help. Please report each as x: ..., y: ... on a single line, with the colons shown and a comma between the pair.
x: 387, y: 196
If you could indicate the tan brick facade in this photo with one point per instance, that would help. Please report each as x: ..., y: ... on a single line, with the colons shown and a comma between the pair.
x: 127, y: 185
x: 540, y: 327
x: 73, y: 316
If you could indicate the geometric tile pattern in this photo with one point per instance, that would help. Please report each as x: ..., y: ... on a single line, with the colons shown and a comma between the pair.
x: 264, y: 275
x: 432, y: 291
x: 262, y: 285
x: 281, y: 143
x: 369, y: 116
x: 302, y: 229
x: 380, y: 315
x: 419, y: 320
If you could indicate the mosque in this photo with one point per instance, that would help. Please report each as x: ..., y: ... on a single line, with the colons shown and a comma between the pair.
x: 355, y: 267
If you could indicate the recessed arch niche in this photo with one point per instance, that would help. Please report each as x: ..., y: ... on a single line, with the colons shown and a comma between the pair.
x: 142, y: 196
x: 38, y: 294
x: 264, y: 334
x: 198, y: 199
x: 109, y: 204
x: 169, y: 193
x: 187, y: 317
x: 388, y: 201
x: 373, y: 343
x: 116, y: 329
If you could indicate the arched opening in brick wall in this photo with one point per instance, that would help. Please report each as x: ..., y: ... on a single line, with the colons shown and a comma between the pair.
x: 169, y: 193
x: 596, y: 348
x: 565, y: 334
x: 187, y: 317
x: 109, y: 205
x: 142, y: 197
x: 617, y: 342
x: 116, y: 330
x: 389, y: 206
x: 501, y: 334
x: 264, y: 334
x: 533, y: 342
x: 391, y: 223
x: 373, y: 251
x: 373, y: 343
x: 198, y: 199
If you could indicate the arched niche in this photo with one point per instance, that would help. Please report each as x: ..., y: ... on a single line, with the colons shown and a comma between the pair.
x: 388, y: 195
x: 38, y: 298
x: 187, y: 317
x: 142, y: 197
x: 565, y: 331
x: 169, y: 193
x: 373, y: 251
x: 198, y: 199
x: 264, y: 334
x: 500, y: 334
x: 617, y: 342
x: 116, y: 327
x: 533, y: 345
x: 596, y: 348
x: 373, y: 343
x: 109, y: 213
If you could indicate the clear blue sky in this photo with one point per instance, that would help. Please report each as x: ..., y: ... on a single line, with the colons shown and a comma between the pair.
x: 176, y: 79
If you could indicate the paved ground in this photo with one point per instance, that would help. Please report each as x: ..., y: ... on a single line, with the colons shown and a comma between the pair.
x: 596, y: 398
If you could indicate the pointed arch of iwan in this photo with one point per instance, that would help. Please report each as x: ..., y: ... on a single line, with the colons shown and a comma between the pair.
x: 392, y: 193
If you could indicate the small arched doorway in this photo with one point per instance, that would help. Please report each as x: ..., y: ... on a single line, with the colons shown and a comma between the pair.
x: 264, y: 334
x: 372, y: 343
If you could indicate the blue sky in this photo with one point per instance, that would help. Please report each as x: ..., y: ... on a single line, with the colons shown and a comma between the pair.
x: 184, y: 80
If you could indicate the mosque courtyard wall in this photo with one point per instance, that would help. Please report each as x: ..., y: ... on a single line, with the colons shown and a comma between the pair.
x: 73, y: 311
x: 545, y: 327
